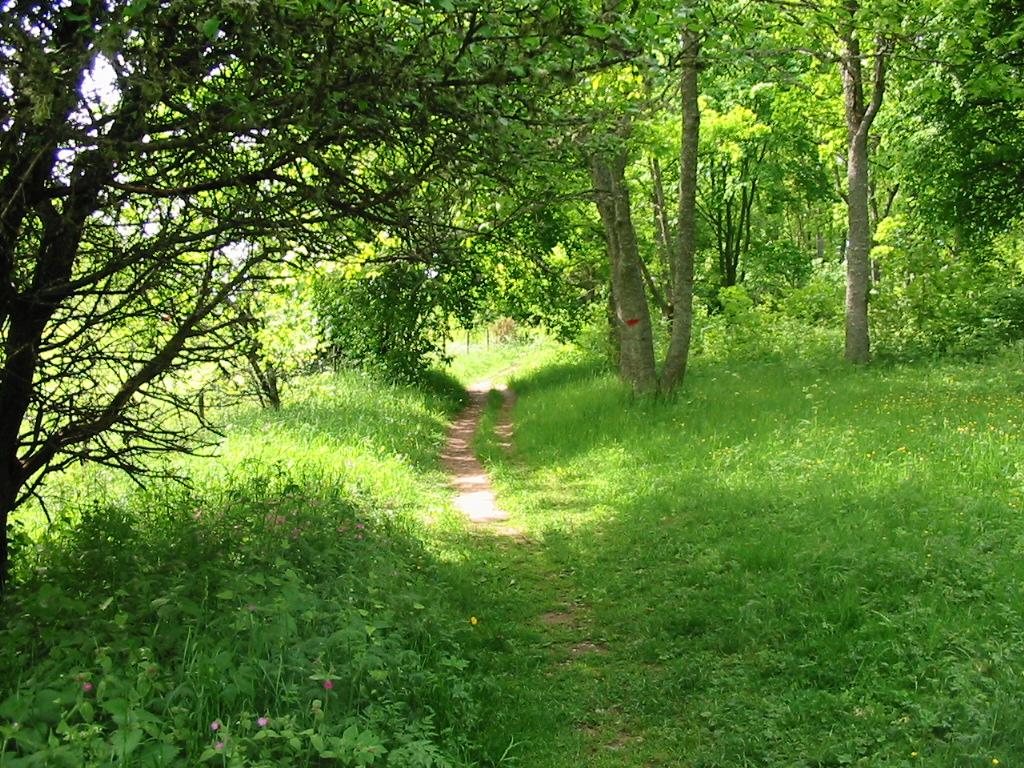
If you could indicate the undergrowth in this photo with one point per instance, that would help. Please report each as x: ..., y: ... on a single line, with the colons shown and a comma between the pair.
x: 282, y: 611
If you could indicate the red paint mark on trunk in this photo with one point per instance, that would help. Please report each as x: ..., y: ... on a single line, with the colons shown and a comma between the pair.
x: 632, y: 321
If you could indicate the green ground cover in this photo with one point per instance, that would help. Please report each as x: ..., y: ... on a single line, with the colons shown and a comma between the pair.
x: 793, y: 564
x: 282, y: 611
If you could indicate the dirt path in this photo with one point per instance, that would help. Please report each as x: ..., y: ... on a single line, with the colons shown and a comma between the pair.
x: 476, y: 497
x: 532, y: 599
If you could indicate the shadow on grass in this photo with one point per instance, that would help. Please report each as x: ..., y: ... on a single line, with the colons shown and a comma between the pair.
x: 789, y: 565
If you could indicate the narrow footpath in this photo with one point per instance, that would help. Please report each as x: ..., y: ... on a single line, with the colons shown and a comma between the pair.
x: 466, y: 474
x: 554, y: 702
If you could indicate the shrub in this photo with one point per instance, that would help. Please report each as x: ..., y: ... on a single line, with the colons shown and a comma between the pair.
x: 257, y: 624
x: 819, y: 300
x: 937, y: 299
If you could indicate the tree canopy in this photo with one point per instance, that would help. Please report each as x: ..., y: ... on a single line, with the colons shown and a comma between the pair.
x: 166, y: 166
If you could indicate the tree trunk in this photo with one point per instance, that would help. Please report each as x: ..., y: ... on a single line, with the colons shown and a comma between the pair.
x: 859, y: 117
x: 614, y: 350
x: 632, y: 315
x: 858, y: 271
x: 662, y: 233
x: 678, y: 354
x: 8, y: 496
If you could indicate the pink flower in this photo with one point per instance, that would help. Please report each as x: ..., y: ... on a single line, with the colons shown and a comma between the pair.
x: 219, y: 746
x: 262, y: 722
x: 87, y: 687
x: 215, y: 725
x: 328, y: 684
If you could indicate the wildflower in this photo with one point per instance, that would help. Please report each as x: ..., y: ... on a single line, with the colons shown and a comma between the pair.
x: 913, y: 754
x: 473, y: 620
x: 262, y: 722
x: 215, y: 725
x: 328, y: 685
x: 219, y: 746
x: 87, y: 686
x: 360, y: 526
x: 995, y: 761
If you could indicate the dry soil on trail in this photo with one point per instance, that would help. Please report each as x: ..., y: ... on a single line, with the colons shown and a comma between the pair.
x: 466, y: 474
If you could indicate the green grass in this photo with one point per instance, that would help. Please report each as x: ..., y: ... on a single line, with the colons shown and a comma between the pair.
x: 790, y: 565
x: 290, y: 583
x: 498, y: 360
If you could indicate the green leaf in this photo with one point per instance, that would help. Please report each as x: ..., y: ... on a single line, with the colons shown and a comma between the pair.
x: 158, y: 755
x: 126, y: 740
x: 211, y: 27
x: 136, y: 7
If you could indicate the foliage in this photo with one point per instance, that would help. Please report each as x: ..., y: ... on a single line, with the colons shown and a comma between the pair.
x: 818, y: 301
x: 276, y: 333
x: 288, y: 604
x: 936, y: 298
x: 391, y: 320
x: 745, y: 329
x: 964, y: 130
x: 160, y: 156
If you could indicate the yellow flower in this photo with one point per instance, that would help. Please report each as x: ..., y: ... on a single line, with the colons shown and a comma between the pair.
x: 913, y: 754
x: 472, y: 620
x: 995, y: 761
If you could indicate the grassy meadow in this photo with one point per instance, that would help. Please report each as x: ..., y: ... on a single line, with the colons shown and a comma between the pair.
x: 281, y: 610
x: 793, y: 563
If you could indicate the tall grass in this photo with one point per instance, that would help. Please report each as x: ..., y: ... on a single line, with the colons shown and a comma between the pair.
x: 280, y: 611
x: 792, y: 564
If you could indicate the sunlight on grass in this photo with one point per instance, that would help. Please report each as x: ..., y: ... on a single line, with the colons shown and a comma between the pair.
x: 500, y: 360
x: 791, y: 564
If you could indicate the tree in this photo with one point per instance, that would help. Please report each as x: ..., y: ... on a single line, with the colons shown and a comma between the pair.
x: 861, y: 112
x: 678, y: 354
x: 632, y: 317
x: 156, y: 156
x: 962, y: 136
x: 736, y: 145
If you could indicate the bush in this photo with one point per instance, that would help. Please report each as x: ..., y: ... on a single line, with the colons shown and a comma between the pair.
x: 934, y: 299
x: 389, y: 322
x: 259, y: 624
x: 818, y: 301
